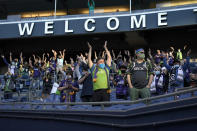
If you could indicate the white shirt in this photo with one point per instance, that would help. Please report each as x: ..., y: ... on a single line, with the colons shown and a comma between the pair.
x: 12, y: 68
x: 60, y: 62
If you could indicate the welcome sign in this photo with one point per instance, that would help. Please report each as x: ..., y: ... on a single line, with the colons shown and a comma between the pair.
x: 151, y: 19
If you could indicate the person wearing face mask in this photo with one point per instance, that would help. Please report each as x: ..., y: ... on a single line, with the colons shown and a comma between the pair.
x: 121, y: 84
x: 159, y: 81
x: 13, y: 65
x: 60, y: 64
x: 100, y: 73
x: 86, y: 80
x: 139, y: 76
x: 158, y: 57
x: 119, y: 61
x: 153, y: 86
x: 177, y: 72
x: 165, y: 74
x: 68, y: 88
x: 47, y: 86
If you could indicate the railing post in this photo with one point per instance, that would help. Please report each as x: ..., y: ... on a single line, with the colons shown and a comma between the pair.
x: 175, y: 96
x: 29, y: 92
x: 130, y: 6
x: 13, y: 105
x: 147, y: 101
x: 43, y: 106
x: 68, y: 106
x: 0, y: 96
x: 102, y: 106
x: 55, y: 8
x: 192, y: 93
x: 31, y: 106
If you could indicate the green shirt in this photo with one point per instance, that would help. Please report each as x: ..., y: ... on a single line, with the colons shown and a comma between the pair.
x: 179, y: 55
x: 91, y: 7
x: 6, y: 89
x: 101, y: 80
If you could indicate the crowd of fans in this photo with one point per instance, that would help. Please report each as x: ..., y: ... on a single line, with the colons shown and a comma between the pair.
x: 131, y: 76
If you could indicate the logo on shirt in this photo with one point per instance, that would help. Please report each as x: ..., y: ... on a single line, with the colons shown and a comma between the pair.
x: 138, y: 69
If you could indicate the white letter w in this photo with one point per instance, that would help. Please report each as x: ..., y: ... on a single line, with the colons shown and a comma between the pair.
x: 25, y: 28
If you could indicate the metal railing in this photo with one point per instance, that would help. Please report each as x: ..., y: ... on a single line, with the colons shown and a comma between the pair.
x: 27, y: 90
x: 147, y: 101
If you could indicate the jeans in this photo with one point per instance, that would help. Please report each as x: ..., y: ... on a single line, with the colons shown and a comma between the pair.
x: 91, y: 12
x: 174, y: 88
x: 36, y: 83
x: 54, y: 98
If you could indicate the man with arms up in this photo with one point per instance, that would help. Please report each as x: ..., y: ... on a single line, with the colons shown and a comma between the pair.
x: 100, y: 75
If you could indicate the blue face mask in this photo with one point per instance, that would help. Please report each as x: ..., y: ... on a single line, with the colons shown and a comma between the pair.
x: 102, y: 66
x: 176, y: 66
x: 157, y: 72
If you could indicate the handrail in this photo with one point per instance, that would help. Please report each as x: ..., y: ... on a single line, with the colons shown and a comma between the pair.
x: 102, y: 104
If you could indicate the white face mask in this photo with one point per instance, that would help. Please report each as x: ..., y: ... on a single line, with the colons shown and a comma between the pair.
x: 69, y: 76
x: 176, y: 66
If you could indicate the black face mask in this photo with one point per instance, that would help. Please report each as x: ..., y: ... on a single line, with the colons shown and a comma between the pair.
x: 123, y: 71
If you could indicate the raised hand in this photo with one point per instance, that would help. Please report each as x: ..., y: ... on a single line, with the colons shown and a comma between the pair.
x: 125, y: 52
x: 112, y: 51
x: 105, y: 46
x: 81, y: 55
x: 185, y: 47
x: 149, y: 51
x: 172, y: 48
x: 90, y: 47
x: 164, y: 54
x: 128, y: 53
x: 189, y: 52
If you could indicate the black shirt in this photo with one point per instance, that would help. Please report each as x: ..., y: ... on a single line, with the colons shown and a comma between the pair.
x: 87, y: 86
x: 140, y: 73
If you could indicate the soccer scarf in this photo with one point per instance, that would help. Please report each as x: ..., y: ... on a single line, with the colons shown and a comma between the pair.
x: 180, y: 74
x: 160, y: 81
